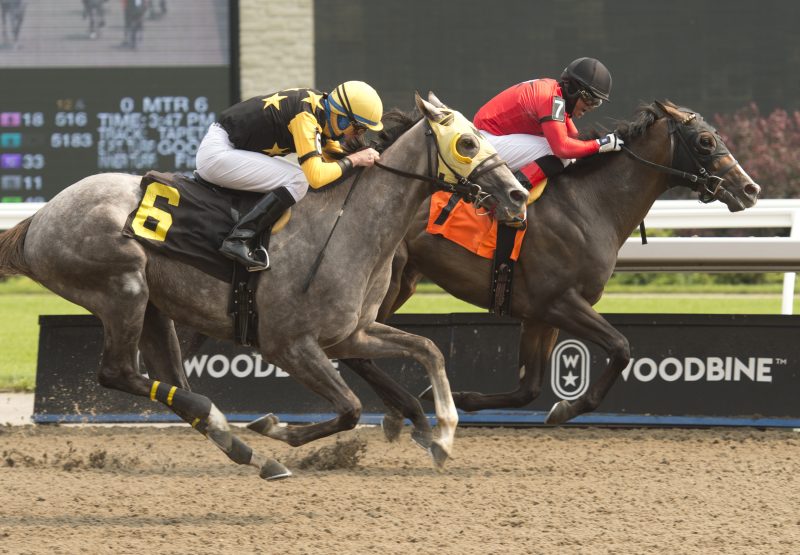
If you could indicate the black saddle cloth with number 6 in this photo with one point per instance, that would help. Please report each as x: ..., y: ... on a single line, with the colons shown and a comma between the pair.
x: 187, y: 219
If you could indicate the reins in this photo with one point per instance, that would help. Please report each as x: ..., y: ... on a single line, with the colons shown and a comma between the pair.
x: 702, y: 178
x: 464, y: 187
x: 694, y: 178
x: 315, y: 267
x: 691, y: 177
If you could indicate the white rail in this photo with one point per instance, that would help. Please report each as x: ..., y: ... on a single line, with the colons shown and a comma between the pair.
x: 675, y: 254
x: 719, y: 254
x: 13, y: 213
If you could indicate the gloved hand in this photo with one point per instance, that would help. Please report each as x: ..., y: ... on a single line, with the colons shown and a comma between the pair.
x: 610, y: 143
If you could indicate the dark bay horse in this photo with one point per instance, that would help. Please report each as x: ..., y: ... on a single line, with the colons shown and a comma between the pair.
x: 569, y: 252
x: 74, y: 246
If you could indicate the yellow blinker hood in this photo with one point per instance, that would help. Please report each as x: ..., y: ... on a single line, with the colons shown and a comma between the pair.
x: 447, y: 132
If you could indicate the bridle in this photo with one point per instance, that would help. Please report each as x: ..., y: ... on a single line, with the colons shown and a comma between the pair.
x: 708, y: 186
x: 464, y: 186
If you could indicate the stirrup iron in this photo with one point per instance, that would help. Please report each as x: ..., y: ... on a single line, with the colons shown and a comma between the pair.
x: 259, y: 254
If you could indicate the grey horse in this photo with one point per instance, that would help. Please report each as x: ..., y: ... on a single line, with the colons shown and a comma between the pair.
x: 74, y: 246
x: 574, y: 233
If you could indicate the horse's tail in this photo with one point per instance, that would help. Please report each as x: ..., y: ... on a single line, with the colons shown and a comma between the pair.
x: 12, y: 243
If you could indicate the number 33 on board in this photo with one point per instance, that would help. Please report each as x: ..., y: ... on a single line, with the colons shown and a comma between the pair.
x: 148, y: 211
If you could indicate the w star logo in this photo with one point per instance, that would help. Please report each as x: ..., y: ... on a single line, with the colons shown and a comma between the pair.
x: 569, y: 369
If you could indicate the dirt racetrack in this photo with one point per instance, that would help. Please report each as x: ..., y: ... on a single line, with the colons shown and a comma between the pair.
x: 168, y: 490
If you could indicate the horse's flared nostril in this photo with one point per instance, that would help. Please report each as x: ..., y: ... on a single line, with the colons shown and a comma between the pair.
x: 752, y: 189
x: 519, y: 196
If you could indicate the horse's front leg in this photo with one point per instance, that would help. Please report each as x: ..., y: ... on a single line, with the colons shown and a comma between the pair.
x: 382, y: 341
x: 573, y: 314
x: 399, y: 402
x: 397, y: 293
x: 536, y: 344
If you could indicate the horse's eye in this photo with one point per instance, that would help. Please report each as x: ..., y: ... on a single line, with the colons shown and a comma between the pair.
x: 468, y: 145
x: 706, y: 143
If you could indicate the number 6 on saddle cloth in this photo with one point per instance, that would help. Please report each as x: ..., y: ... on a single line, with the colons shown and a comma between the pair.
x: 186, y: 218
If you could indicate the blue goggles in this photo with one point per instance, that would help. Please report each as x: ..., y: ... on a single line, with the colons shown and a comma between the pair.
x: 343, y: 122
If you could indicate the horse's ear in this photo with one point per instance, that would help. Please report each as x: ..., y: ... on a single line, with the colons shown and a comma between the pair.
x: 435, y: 101
x: 429, y: 110
x: 670, y: 109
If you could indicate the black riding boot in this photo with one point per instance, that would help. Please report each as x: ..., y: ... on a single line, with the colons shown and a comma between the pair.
x: 242, y: 244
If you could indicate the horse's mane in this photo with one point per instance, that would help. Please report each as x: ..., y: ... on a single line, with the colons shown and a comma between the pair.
x: 645, y: 116
x: 629, y: 131
x: 395, y: 123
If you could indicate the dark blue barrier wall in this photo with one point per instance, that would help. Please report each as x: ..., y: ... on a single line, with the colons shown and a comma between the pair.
x: 686, y: 370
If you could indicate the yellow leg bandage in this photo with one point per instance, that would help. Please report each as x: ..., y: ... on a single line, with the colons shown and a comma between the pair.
x: 153, y: 390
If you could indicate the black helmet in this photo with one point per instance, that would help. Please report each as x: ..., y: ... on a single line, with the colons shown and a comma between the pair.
x: 587, y: 74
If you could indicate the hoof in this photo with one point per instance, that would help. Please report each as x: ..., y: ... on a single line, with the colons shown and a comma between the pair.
x: 273, y: 470
x: 559, y: 414
x: 392, y: 426
x: 423, y: 438
x: 264, y: 424
x: 426, y: 394
x: 439, y: 455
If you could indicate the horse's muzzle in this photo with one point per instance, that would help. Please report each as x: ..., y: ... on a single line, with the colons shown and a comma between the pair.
x: 737, y: 202
x: 519, y: 221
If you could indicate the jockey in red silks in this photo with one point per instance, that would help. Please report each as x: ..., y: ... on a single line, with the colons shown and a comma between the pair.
x: 530, y: 124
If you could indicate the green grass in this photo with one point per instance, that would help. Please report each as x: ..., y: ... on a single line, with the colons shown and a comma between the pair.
x: 713, y: 303
x: 22, y: 301
x: 659, y: 303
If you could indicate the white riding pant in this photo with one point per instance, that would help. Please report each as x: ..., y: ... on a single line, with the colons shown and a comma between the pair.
x: 222, y: 164
x: 519, y: 150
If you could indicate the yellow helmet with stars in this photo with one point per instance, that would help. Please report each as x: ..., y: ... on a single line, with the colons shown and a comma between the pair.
x: 355, y: 102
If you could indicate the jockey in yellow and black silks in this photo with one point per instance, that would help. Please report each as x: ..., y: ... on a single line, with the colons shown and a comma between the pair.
x: 244, y: 150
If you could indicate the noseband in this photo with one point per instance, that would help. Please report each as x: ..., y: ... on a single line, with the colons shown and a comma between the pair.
x: 464, y: 187
x: 708, y: 186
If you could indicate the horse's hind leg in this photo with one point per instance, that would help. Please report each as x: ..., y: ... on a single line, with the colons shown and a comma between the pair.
x: 305, y: 361
x: 123, y: 314
x: 160, y: 349
x: 536, y: 344
x: 573, y: 314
